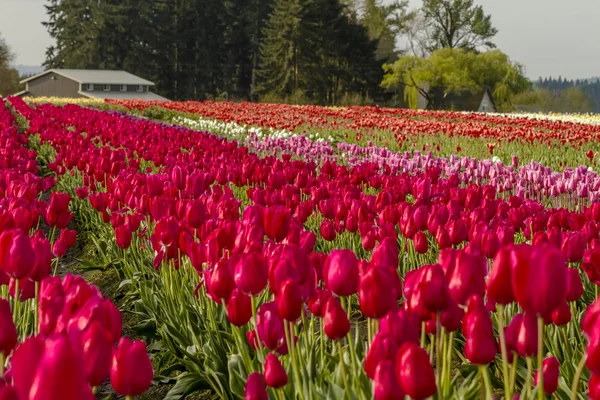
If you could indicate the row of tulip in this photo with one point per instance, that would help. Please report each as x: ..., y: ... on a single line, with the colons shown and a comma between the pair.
x: 52, y: 327
x: 444, y: 133
x: 571, y: 188
x: 239, y: 312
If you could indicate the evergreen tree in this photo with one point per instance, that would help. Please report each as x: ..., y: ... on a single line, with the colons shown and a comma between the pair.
x: 288, y: 49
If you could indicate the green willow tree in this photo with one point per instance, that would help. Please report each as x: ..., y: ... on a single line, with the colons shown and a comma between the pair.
x: 455, y: 72
x: 9, y: 77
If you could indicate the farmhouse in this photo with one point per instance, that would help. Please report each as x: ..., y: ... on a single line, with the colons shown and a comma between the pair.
x: 85, y: 83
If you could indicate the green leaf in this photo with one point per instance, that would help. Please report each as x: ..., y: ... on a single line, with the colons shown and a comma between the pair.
x: 187, y: 383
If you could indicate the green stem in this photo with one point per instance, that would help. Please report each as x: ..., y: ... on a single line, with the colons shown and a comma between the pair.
x: 431, y: 349
x: 513, y: 373
x: 486, y: 381
x: 16, y: 303
x: 1, y: 365
x: 343, y: 366
x: 438, y: 354
x: 527, y: 386
x: 36, y: 317
x: 423, y: 333
x: 449, y: 361
x: 577, y: 377
x: 508, y: 392
x: 540, y: 357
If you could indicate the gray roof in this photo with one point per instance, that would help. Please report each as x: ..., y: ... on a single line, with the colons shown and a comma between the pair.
x: 97, y: 76
x: 123, y: 95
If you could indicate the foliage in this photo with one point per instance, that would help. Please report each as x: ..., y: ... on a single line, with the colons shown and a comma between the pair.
x: 9, y: 77
x: 457, y: 24
x: 456, y: 71
x: 570, y: 100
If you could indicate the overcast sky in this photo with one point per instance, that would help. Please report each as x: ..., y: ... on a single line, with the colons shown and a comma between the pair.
x: 550, y: 37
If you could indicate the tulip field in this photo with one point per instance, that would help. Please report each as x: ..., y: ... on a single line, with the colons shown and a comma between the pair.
x: 267, y: 251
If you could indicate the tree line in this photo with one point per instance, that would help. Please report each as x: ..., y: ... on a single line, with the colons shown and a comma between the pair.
x: 246, y: 49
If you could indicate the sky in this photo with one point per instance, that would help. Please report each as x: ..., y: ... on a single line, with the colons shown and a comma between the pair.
x: 549, y: 37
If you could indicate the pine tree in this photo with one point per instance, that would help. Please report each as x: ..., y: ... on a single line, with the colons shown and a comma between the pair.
x: 287, y: 50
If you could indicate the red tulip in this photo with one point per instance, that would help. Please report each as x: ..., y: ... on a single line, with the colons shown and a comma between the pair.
x: 499, y: 285
x: 377, y: 293
x: 289, y: 300
x: 527, y: 336
x: 414, y: 372
x: 60, y: 358
x: 43, y: 258
x: 574, y: 285
x: 97, y: 353
x: 8, y: 331
x: 17, y: 257
x: 327, y: 230
x: 123, y: 237
x: 221, y: 283
x: 277, y: 222
x: 480, y: 345
x: 386, y: 254
x: 385, y: 384
x: 239, y: 308
x: 573, y: 246
x: 467, y: 277
x: 401, y: 326
x: 131, y: 371
x: 251, y: 274
x: 270, y: 327
x: 275, y: 375
x: 383, y: 347
x: 255, y: 387
x: 420, y: 242
x: 539, y: 279
x: 550, y: 369
x: 335, y: 320
x: 340, y: 272
x: 562, y: 315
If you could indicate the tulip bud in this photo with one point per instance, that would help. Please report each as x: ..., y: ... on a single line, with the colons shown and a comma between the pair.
x: 340, y: 272
x: 289, y: 300
x: 131, y: 371
x: 239, y: 308
x: 60, y: 358
x: 377, y: 293
x: 574, y: 285
x: 17, y: 257
x: 385, y: 384
x: 499, y: 285
x: 97, y: 353
x: 8, y: 331
x: 277, y: 222
x: 468, y: 277
x: 382, y: 348
x: 327, y: 230
x: 255, y: 387
x: 335, y: 320
x: 123, y: 237
x: 269, y: 325
x: 550, y: 369
x: 562, y: 315
x: 539, y: 279
x: 480, y: 345
x: 527, y: 336
x: 420, y: 242
x: 275, y: 375
x: 414, y: 372
x: 251, y: 274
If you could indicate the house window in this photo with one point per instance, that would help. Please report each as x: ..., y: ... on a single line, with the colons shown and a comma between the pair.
x: 123, y: 88
x: 484, y: 106
x: 140, y: 88
x: 89, y: 87
x: 107, y: 88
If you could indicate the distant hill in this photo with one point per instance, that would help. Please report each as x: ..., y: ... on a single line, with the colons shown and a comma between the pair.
x: 28, y: 70
x: 589, y: 86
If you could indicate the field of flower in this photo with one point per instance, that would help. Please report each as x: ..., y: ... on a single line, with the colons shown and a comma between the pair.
x: 284, y: 252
